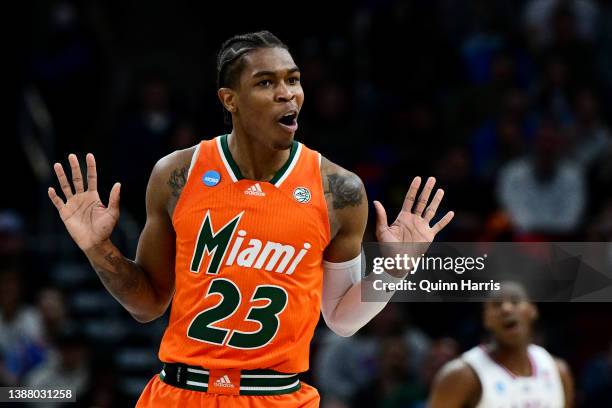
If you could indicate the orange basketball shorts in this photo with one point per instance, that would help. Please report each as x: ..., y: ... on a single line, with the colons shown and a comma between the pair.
x: 159, y: 394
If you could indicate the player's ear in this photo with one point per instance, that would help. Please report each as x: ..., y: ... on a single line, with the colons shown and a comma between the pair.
x: 227, y: 96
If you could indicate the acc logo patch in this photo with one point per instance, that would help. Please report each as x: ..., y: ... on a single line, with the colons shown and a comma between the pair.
x: 301, y: 195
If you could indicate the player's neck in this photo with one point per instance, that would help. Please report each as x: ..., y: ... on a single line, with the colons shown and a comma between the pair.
x: 514, y: 359
x: 255, y: 160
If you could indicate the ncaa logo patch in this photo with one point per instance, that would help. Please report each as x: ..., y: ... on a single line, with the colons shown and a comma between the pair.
x: 301, y: 195
x: 211, y: 178
x: 500, y: 387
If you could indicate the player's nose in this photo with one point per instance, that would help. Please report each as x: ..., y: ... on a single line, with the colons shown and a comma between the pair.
x: 506, y: 307
x: 283, y: 93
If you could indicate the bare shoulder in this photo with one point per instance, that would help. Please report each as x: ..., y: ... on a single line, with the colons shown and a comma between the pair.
x: 173, y: 169
x: 567, y: 381
x: 562, y: 366
x: 344, y: 188
x: 455, y: 385
x: 169, y: 176
x: 457, y: 370
x: 345, y: 197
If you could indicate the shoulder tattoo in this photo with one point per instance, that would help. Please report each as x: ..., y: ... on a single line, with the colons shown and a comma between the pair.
x: 177, y: 180
x: 345, y: 190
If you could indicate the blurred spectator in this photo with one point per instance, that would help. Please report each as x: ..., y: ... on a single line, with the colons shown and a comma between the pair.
x: 542, y: 193
x: 346, y: 364
x: 597, y: 381
x: 144, y: 138
x: 600, y: 227
x: 66, y: 369
x: 604, y: 45
x: 53, y: 313
x: 12, y: 236
x: 575, y: 51
x: 468, y: 196
x: 342, y: 366
x: 440, y: 352
x: 184, y: 136
x: 503, y: 137
x: 555, y: 91
x: 540, y: 15
x: 68, y: 67
x: 420, y: 131
x: 484, y: 101
x: 482, y: 58
x: 21, y: 346
x: 590, y: 136
x: 394, y: 386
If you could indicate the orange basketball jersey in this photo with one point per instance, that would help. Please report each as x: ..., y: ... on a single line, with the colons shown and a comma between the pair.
x: 248, y: 263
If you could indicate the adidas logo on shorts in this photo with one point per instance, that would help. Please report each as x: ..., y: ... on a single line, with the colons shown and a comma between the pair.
x: 224, y: 382
x: 255, y: 190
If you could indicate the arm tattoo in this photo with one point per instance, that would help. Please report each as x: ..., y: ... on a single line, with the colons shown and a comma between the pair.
x: 345, y: 190
x: 177, y: 180
x: 125, y: 279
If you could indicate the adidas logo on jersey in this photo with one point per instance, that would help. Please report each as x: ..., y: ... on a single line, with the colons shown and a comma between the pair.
x: 224, y: 382
x: 255, y: 190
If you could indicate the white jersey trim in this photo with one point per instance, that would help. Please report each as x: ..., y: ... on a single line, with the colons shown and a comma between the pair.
x: 224, y: 159
x: 291, y: 166
x: 194, y: 158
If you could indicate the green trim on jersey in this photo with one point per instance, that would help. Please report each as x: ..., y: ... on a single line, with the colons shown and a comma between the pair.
x: 236, y: 170
x: 281, y: 172
x: 230, y: 160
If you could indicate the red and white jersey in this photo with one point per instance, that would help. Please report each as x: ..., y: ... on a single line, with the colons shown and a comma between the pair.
x: 503, y: 389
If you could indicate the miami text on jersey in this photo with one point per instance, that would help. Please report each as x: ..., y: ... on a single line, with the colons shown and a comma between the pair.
x: 271, y: 256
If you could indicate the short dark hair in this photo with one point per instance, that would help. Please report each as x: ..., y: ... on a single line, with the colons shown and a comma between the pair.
x: 230, y: 57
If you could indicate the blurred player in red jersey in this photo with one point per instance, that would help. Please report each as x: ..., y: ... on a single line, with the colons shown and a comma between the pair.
x: 509, y: 371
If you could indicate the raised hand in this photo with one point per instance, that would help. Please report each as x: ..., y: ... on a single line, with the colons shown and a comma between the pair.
x: 87, y: 220
x: 412, y: 225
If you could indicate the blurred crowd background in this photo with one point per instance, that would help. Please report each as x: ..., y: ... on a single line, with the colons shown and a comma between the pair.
x: 507, y: 102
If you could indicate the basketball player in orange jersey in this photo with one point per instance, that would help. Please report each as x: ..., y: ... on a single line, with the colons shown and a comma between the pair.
x: 508, y: 371
x: 250, y: 236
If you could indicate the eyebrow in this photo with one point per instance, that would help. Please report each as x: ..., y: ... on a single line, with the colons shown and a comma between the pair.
x: 264, y: 73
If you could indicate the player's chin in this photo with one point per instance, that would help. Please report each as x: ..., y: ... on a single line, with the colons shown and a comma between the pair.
x: 514, y: 340
x: 284, y: 137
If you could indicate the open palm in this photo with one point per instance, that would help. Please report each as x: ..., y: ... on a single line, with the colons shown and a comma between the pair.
x: 413, y: 225
x: 87, y: 220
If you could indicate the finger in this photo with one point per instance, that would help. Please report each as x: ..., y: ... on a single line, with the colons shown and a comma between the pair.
x: 75, y: 169
x: 411, y: 194
x: 424, y: 197
x: 381, y: 216
x: 61, y: 177
x: 55, y: 199
x: 443, y: 222
x: 113, y: 201
x: 92, y: 174
x: 430, y: 212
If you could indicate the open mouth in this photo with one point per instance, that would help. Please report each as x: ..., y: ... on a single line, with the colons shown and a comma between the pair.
x: 511, y: 324
x: 288, y: 119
